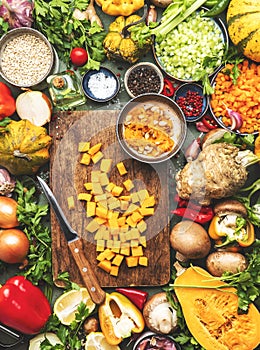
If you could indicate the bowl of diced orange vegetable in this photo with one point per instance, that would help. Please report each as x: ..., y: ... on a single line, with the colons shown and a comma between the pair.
x: 235, y: 103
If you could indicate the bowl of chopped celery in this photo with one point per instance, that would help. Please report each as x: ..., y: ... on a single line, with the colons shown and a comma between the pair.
x: 193, y: 49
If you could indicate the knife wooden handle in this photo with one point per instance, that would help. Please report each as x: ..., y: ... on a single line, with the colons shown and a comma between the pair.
x: 96, y: 293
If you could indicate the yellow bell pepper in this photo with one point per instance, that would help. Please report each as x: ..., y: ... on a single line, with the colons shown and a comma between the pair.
x: 119, y: 318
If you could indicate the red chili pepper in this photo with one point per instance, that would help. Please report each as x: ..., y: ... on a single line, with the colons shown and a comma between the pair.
x: 201, y: 127
x: 137, y: 296
x: 168, y: 88
x: 23, y: 306
x: 194, y: 215
x: 209, y: 122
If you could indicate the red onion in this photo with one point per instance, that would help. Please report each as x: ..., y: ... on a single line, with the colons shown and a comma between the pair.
x: 7, y: 183
x: 18, y: 13
x: 193, y: 150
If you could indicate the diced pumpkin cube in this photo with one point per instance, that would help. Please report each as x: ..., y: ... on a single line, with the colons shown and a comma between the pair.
x: 148, y: 202
x: 124, y: 205
x: 97, y: 156
x: 105, y: 265
x: 146, y: 211
x: 83, y: 146
x: 132, y: 207
x: 142, y: 241
x: 88, y: 186
x: 92, y: 226
x: 103, y: 179
x: 102, y: 204
x: 106, y: 235
x: 121, y: 168
x: 106, y: 254
x: 100, y: 220
x: 110, y: 187
x: 118, y: 260
x: 99, y: 234
x: 128, y: 184
x: 143, y: 194
x: 135, y: 234
x: 128, y: 235
x: 134, y: 197
x: 97, y: 189
x: 137, y: 251
x: 117, y: 190
x: 94, y: 149
x: 85, y: 159
x: 101, y: 212
x: 125, y: 198
x: 124, y: 228
x: 130, y: 222
x: 71, y: 202
x: 84, y: 197
x: 136, y: 217
x: 114, y: 270
x: 121, y: 221
x: 116, y: 250
x: 134, y: 243
x: 110, y: 243
x: 131, y: 261
x: 100, y: 245
x: 91, y: 209
x: 125, y: 251
x: 112, y: 223
x: 142, y: 226
x: 106, y: 165
x: 143, y: 261
x: 122, y: 237
x: 95, y: 174
x: 114, y: 204
x: 100, y: 197
x: 114, y: 231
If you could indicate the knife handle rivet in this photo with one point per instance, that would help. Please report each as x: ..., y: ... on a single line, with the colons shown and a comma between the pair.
x: 93, y: 289
x: 84, y: 269
x: 76, y: 250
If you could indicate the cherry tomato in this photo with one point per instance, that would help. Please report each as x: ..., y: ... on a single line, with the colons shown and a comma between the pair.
x: 79, y: 56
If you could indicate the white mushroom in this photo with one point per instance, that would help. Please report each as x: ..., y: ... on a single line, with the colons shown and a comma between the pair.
x: 158, y: 314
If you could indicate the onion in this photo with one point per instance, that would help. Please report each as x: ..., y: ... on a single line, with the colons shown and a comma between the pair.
x: 14, y: 246
x: 34, y: 106
x: 8, y: 212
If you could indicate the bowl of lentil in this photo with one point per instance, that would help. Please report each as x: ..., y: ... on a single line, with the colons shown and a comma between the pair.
x: 192, y: 101
x: 151, y: 128
x: 143, y: 77
x: 100, y: 85
x: 26, y: 57
x: 182, y: 51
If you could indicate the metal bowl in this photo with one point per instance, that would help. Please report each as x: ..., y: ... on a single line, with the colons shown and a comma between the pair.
x: 159, y: 62
x: 100, y: 85
x: 26, y: 57
x: 157, y: 109
x: 143, y: 70
x: 150, y: 337
x: 197, y: 88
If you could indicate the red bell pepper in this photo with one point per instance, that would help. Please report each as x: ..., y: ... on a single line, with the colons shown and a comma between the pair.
x: 23, y: 306
x: 201, y: 217
x: 209, y: 122
x: 168, y: 88
x: 137, y: 296
x: 7, y: 102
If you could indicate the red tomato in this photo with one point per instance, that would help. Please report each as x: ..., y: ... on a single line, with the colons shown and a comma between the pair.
x: 79, y: 56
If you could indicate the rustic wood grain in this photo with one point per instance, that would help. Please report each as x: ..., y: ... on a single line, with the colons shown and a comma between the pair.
x: 67, y: 179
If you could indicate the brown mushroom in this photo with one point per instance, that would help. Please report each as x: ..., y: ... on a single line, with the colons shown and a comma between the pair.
x: 190, y: 240
x: 158, y: 314
x: 91, y: 324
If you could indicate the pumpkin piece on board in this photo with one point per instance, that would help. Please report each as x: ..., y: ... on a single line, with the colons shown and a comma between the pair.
x: 211, y: 315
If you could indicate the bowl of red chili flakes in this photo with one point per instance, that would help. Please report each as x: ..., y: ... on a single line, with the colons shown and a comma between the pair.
x: 192, y: 101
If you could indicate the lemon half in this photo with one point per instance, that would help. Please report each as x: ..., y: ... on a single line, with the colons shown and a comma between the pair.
x: 65, y: 307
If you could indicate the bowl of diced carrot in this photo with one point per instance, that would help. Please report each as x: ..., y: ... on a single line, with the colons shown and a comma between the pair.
x: 235, y: 103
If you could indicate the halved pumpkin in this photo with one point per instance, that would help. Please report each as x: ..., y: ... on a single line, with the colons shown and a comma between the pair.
x: 211, y: 315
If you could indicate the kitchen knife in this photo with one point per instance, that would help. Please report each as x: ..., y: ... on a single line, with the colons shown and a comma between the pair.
x: 75, y: 245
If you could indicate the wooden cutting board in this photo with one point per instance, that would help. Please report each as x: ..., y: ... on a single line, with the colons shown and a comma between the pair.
x: 67, y: 179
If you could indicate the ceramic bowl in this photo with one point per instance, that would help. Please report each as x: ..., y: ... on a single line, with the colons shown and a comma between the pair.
x: 171, y: 74
x: 29, y: 50
x: 143, y: 77
x: 151, y: 128
x: 100, y: 85
x: 148, y: 340
x: 183, y: 92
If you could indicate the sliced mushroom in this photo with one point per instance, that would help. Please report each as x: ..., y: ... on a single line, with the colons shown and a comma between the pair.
x: 158, y: 314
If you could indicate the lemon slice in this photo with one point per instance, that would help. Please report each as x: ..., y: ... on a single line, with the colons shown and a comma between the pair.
x: 35, y: 343
x: 65, y: 307
x: 97, y: 341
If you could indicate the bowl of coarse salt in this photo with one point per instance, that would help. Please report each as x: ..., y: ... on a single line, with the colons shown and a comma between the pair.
x: 26, y: 57
x: 100, y: 85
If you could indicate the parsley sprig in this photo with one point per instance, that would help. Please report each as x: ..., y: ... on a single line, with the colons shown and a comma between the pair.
x: 56, y: 21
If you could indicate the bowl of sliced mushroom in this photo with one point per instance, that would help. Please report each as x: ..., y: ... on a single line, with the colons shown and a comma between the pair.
x: 26, y: 57
x: 151, y: 128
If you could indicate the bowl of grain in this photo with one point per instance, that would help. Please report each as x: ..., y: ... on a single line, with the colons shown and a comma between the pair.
x: 26, y: 57
x: 151, y: 128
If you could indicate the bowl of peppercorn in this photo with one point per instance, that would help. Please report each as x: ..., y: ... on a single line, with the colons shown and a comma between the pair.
x: 192, y: 101
x: 142, y: 78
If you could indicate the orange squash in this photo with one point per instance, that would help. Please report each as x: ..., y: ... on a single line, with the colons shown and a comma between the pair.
x: 211, y: 315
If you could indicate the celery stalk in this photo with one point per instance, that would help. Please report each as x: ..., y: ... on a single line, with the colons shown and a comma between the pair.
x: 172, y: 21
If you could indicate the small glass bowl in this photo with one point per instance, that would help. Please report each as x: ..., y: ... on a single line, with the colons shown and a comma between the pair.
x: 100, y: 85
x: 147, y: 73
x: 183, y: 90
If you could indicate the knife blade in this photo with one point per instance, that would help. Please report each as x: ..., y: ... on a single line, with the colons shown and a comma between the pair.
x: 75, y: 245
